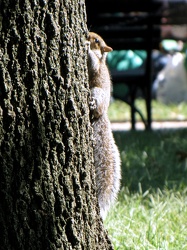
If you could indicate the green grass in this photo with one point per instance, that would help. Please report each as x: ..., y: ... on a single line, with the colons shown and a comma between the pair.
x: 151, y: 212
x: 149, y: 221
x: 120, y: 111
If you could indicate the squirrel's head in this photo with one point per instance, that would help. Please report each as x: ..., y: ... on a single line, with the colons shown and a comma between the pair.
x: 97, y: 44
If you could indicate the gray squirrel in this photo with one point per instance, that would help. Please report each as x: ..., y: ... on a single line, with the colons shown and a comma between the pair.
x: 106, y: 155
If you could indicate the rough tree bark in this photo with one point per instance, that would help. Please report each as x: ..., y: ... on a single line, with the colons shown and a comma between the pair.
x: 47, y: 188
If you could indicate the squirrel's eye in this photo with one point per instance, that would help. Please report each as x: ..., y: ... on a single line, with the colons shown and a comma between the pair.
x: 96, y: 40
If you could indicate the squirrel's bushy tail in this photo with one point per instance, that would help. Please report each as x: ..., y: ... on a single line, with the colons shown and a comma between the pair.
x: 107, y: 163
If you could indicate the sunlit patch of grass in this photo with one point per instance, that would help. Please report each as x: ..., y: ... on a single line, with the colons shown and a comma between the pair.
x: 151, y: 212
x: 120, y: 111
x: 149, y: 221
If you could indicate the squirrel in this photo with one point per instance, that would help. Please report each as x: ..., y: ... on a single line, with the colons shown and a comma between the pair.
x: 106, y: 155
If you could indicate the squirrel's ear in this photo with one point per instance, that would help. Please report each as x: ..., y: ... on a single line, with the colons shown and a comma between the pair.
x: 107, y: 49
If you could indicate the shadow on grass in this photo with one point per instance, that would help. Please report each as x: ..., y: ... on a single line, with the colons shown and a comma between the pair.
x: 154, y: 159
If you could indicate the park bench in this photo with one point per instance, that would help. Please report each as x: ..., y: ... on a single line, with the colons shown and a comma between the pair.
x: 134, y: 25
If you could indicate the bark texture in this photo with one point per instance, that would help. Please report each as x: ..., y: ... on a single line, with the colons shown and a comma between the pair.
x: 47, y: 187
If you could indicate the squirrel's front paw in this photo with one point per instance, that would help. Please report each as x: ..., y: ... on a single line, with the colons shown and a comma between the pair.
x: 87, y: 43
x: 94, y: 108
x: 92, y: 104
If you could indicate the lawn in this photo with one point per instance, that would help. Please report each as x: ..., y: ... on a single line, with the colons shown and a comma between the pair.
x: 120, y: 111
x: 151, y: 211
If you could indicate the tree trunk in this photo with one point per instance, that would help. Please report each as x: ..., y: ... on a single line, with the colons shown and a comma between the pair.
x: 47, y: 187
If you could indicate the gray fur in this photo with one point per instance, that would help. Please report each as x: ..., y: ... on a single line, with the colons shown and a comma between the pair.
x: 106, y: 155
